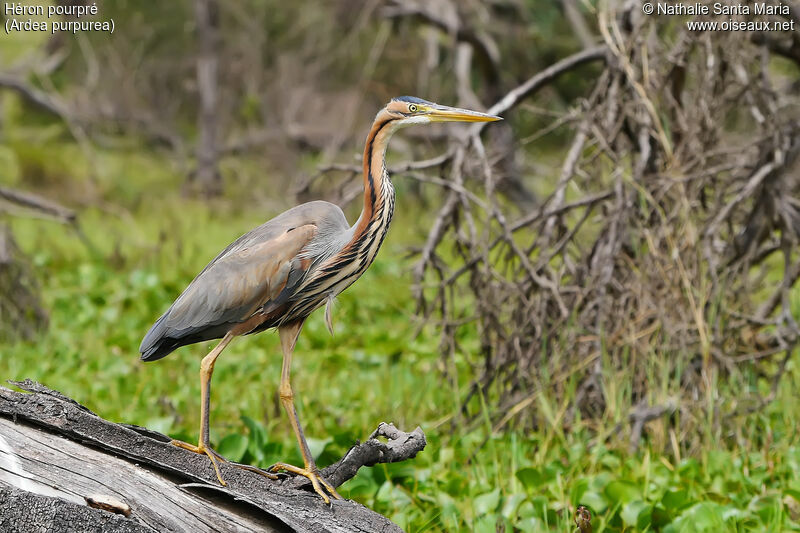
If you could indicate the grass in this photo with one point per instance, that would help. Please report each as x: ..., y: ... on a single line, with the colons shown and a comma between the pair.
x: 148, y: 242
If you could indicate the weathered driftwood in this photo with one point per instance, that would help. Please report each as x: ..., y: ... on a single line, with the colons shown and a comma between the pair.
x: 56, y: 456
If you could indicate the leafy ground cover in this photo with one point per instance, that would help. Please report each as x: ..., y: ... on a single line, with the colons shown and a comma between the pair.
x: 146, y: 244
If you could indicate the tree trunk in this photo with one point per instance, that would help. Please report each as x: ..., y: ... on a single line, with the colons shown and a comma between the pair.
x: 63, y: 468
x: 207, y: 173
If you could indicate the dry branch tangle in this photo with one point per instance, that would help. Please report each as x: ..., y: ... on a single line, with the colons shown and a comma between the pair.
x: 678, y: 195
x: 166, y: 488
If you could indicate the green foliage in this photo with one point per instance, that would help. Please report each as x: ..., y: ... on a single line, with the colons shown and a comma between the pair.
x: 148, y: 242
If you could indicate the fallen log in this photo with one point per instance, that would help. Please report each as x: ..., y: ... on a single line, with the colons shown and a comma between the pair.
x: 63, y: 468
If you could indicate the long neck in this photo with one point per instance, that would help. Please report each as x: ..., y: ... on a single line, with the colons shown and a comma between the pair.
x: 366, y: 236
x: 379, y: 195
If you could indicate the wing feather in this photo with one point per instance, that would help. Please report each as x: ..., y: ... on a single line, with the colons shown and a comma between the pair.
x: 237, y: 285
x: 230, y: 290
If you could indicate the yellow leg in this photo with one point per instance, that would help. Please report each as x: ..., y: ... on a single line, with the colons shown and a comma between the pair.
x: 289, y: 334
x: 206, y: 370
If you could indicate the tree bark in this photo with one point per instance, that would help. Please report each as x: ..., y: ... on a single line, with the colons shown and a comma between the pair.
x: 63, y: 468
x: 207, y: 174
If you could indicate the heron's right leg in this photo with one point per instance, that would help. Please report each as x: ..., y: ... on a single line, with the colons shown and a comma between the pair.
x: 206, y: 370
x: 288, y: 334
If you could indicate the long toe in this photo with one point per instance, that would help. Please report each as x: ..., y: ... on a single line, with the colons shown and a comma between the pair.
x: 254, y: 469
x: 317, y: 480
x: 207, y: 451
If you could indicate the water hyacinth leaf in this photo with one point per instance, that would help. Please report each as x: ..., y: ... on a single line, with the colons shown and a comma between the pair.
x: 317, y: 446
x: 487, y: 502
x: 595, y: 501
x: 392, y: 495
x: 630, y: 512
x: 531, y: 478
x: 622, y: 492
x: 485, y: 524
x: 675, y: 499
x: 511, y: 505
x: 577, y: 490
x: 704, y: 516
x: 258, y: 438
x: 689, y: 468
x: 233, y: 447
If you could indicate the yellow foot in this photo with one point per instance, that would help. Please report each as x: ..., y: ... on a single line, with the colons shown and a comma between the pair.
x: 316, y: 480
x: 204, y: 450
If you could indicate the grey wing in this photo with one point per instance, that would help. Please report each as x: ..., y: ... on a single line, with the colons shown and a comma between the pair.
x: 261, y: 269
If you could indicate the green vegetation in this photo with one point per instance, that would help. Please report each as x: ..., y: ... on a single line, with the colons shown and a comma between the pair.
x: 286, y: 64
x: 148, y: 242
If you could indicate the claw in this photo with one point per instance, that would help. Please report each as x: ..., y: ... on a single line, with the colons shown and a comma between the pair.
x: 215, y: 456
x: 316, y: 480
x: 204, y: 450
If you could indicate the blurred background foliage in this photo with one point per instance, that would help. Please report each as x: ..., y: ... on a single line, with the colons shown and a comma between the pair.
x: 103, y: 133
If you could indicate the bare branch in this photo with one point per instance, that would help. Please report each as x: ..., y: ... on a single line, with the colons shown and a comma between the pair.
x: 39, y: 204
x: 35, y: 96
x: 516, y: 95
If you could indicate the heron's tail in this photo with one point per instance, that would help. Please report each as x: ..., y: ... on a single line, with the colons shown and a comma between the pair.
x: 156, y: 344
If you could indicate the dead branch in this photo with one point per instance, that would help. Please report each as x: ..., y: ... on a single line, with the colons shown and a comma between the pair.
x: 164, y: 487
x: 525, y: 90
x: 642, y: 415
x: 480, y: 41
x: 35, y: 96
x: 38, y: 204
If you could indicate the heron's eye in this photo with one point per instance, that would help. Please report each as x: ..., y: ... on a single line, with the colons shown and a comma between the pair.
x: 412, y: 108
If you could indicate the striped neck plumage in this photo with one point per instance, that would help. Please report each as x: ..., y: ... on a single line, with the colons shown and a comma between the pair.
x: 378, y: 190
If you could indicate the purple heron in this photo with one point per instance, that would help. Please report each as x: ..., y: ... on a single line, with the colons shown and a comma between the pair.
x: 276, y: 275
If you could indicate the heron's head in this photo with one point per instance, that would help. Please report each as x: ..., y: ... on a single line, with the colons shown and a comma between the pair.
x: 408, y: 110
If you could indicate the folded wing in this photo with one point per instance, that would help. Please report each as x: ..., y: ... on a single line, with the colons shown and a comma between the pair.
x: 234, y: 286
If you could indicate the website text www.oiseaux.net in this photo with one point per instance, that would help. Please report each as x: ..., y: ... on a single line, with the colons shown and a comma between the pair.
x: 741, y: 12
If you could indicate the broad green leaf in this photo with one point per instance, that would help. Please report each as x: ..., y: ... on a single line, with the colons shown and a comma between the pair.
x: 595, y: 501
x: 486, y: 524
x: 317, y: 446
x: 530, y: 523
x: 577, y: 490
x: 487, y: 503
x: 701, y: 517
x: 637, y: 514
x: 233, y: 447
x: 660, y: 517
x: 511, y: 504
x: 531, y: 478
x: 675, y: 499
x: 162, y: 424
x: 766, y: 507
x: 257, y: 440
x: 390, y: 494
x: 622, y: 492
x: 689, y: 468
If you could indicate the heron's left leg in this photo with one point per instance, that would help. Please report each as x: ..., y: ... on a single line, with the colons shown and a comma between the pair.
x: 289, y: 334
x: 206, y: 371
